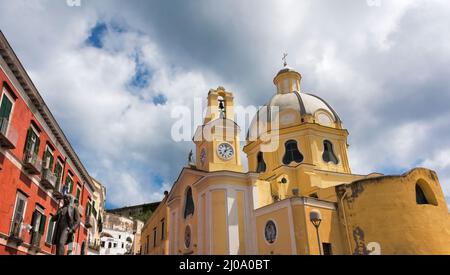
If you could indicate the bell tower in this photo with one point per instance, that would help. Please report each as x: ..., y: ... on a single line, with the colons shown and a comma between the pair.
x: 217, y: 140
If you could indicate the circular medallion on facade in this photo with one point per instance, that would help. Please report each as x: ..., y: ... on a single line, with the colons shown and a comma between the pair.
x: 270, y: 232
x: 187, y: 237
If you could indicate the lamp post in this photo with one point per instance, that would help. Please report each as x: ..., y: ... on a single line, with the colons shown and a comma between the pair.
x: 316, y: 218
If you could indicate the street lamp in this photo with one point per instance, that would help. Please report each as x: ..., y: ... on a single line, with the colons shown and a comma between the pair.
x: 316, y: 218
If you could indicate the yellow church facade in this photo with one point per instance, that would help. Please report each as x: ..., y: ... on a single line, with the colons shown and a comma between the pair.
x: 299, y: 196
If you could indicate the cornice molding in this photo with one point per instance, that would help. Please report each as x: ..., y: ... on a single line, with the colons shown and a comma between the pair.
x: 31, y: 91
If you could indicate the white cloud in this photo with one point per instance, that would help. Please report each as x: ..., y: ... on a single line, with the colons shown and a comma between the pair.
x: 384, y: 69
x: 440, y: 162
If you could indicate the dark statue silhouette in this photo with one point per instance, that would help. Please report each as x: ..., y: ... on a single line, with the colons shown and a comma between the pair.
x: 67, y: 220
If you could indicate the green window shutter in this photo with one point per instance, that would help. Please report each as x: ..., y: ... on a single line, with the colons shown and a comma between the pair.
x: 42, y: 225
x: 51, y: 223
x: 34, y: 218
x: 5, y: 107
x: 88, y: 209
x: 51, y: 163
x: 36, y: 146
x: 70, y: 186
x: 44, y: 159
x: 49, y: 156
x: 58, y: 172
x: 28, y: 141
x: 20, y: 208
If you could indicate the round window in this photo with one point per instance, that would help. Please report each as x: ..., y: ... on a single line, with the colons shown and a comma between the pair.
x: 270, y: 232
x: 324, y: 119
x: 187, y: 237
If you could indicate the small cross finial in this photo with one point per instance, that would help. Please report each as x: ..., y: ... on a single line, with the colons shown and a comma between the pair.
x: 284, y: 59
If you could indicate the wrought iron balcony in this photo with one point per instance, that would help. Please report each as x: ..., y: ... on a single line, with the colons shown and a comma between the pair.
x: 16, y: 234
x: 32, y: 164
x: 8, y: 135
x: 48, y: 179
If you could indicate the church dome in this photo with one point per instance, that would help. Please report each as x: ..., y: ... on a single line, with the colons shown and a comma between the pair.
x: 292, y: 107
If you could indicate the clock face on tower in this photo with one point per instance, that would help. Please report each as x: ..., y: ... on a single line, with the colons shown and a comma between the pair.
x: 225, y: 151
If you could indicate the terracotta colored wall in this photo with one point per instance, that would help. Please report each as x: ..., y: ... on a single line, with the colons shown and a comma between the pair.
x: 13, y: 179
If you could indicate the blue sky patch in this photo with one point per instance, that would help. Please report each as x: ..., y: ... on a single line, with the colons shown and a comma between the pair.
x: 159, y: 100
x: 141, y: 78
x: 96, y: 35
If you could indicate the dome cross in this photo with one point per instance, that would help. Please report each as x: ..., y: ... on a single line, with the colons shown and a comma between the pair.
x: 285, y: 55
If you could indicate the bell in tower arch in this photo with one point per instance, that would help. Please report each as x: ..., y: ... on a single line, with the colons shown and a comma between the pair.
x: 222, y: 111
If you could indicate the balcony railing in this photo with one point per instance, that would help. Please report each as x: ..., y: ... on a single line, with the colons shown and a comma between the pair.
x: 16, y: 234
x: 32, y: 164
x: 57, y: 192
x: 48, y: 179
x: 89, y: 221
x: 8, y: 135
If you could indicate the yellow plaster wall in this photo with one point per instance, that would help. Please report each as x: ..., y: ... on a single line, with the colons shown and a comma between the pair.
x: 384, y: 210
x: 219, y: 223
x: 329, y: 231
x: 282, y: 245
x: 241, y: 222
x: 147, y: 235
x: 300, y: 229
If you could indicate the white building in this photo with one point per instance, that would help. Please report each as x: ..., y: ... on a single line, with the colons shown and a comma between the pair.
x: 119, y: 235
x: 116, y: 242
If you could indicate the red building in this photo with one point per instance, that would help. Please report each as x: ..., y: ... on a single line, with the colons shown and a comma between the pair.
x: 37, y: 163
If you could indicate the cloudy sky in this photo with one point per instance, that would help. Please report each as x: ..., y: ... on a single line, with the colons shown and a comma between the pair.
x: 112, y: 72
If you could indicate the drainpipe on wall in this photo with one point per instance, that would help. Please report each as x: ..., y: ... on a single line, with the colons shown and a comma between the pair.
x: 308, y: 252
x: 345, y: 221
x: 62, y: 183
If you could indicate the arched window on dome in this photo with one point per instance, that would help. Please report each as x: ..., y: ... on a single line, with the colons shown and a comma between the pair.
x: 261, y: 166
x: 328, y: 153
x: 189, y: 203
x: 292, y: 153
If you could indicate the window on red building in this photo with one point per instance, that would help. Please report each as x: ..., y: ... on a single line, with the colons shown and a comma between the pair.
x: 58, y: 174
x: 37, y: 226
x: 48, y: 159
x: 77, y: 197
x: 18, y: 216
x: 88, y: 208
x: 31, y: 149
x: 6, y: 106
x: 50, y: 230
x: 69, y: 184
